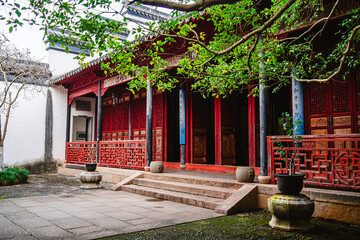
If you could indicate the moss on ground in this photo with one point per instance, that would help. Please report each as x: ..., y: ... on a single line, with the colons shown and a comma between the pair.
x: 253, y: 225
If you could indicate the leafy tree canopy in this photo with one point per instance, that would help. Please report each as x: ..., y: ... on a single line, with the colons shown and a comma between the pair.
x: 224, y: 40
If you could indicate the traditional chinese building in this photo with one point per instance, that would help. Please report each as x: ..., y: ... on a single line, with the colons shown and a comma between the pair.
x: 214, y: 134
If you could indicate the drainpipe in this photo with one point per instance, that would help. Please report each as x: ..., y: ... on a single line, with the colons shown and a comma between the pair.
x: 99, y: 123
x: 149, y: 123
x: 182, y: 127
x: 263, y: 101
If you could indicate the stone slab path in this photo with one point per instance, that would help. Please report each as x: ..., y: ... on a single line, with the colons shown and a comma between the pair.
x: 87, y: 214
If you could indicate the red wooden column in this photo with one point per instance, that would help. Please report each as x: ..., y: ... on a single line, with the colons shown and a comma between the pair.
x: 252, y: 127
x: 217, y: 113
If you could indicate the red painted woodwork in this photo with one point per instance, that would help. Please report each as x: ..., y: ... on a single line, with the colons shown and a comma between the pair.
x: 120, y: 154
x: 80, y: 152
x: 332, y: 108
x: 123, y: 154
x: 216, y: 168
x: 199, y: 113
x: 228, y: 110
x: 158, y: 122
x: 336, y: 165
x: 172, y: 165
x: 218, y: 136
x: 252, y: 127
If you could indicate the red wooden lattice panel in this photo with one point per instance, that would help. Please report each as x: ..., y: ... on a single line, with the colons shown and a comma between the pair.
x: 317, y: 98
x: 337, y: 165
x: 340, y: 97
x: 80, y: 152
x: 123, y: 154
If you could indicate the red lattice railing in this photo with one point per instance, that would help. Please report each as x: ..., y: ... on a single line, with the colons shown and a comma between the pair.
x: 123, y: 154
x: 326, y: 160
x: 80, y: 152
x: 120, y: 154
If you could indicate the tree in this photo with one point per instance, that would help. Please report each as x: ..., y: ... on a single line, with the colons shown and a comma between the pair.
x: 17, y: 70
x: 221, y: 60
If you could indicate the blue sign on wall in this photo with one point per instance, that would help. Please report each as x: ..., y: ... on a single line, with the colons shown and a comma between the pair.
x: 182, y: 119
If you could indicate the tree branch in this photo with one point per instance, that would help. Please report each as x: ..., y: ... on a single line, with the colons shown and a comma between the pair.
x: 197, y: 6
x: 342, y: 60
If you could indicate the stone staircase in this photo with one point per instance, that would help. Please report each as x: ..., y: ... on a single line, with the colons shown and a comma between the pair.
x: 204, y: 192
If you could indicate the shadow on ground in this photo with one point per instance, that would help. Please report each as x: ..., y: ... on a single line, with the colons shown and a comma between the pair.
x: 45, y: 184
x: 253, y: 225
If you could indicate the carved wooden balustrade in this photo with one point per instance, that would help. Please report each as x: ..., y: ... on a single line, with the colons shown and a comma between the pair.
x: 81, y: 152
x: 326, y: 160
x: 120, y: 154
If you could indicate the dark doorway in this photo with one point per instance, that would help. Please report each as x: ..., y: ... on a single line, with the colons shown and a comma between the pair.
x: 172, y: 140
x: 203, y: 130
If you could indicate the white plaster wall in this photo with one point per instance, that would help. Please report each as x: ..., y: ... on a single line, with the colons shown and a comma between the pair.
x: 25, y: 138
x: 24, y: 141
x: 59, y: 98
x: 61, y: 62
x: 91, y: 113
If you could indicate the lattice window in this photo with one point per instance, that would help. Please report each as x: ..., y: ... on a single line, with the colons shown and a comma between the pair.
x: 317, y: 98
x: 115, y: 117
x: 340, y: 97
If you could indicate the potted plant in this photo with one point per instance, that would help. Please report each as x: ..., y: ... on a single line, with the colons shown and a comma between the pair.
x: 290, y: 183
x: 91, y: 167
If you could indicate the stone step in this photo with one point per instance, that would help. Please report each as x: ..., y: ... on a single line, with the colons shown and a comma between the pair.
x: 189, y: 199
x: 215, y: 182
x: 203, y: 190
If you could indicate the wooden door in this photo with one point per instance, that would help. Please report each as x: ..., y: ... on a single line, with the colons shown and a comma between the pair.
x: 228, y: 131
x: 331, y: 108
x: 199, y: 123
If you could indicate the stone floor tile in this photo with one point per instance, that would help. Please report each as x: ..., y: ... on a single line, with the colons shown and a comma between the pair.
x: 85, y: 230
x: 73, y: 209
x: 38, y: 209
x: 10, y: 209
x: 157, y: 215
x: 123, y: 215
x: 87, y: 204
x: 26, y: 202
x: 88, y: 215
x: 13, y: 216
x: 6, y: 203
x: 43, y: 199
x: 53, y: 215
x: 102, y: 209
x: 29, y: 223
x: 100, y: 234
x: 141, y: 221
x: 109, y: 223
x: 117, y: 204
x: 28, y: 237
x: 136, y: 209
x: 70, y: 222
x: 50, y: 232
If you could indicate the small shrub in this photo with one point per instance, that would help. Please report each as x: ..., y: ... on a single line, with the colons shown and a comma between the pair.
x: 11, y: 176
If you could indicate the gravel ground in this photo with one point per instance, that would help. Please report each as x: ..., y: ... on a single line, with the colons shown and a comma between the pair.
x: 44, y: 184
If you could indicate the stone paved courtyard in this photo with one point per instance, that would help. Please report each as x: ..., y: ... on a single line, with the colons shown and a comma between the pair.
x: 53, y: 206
